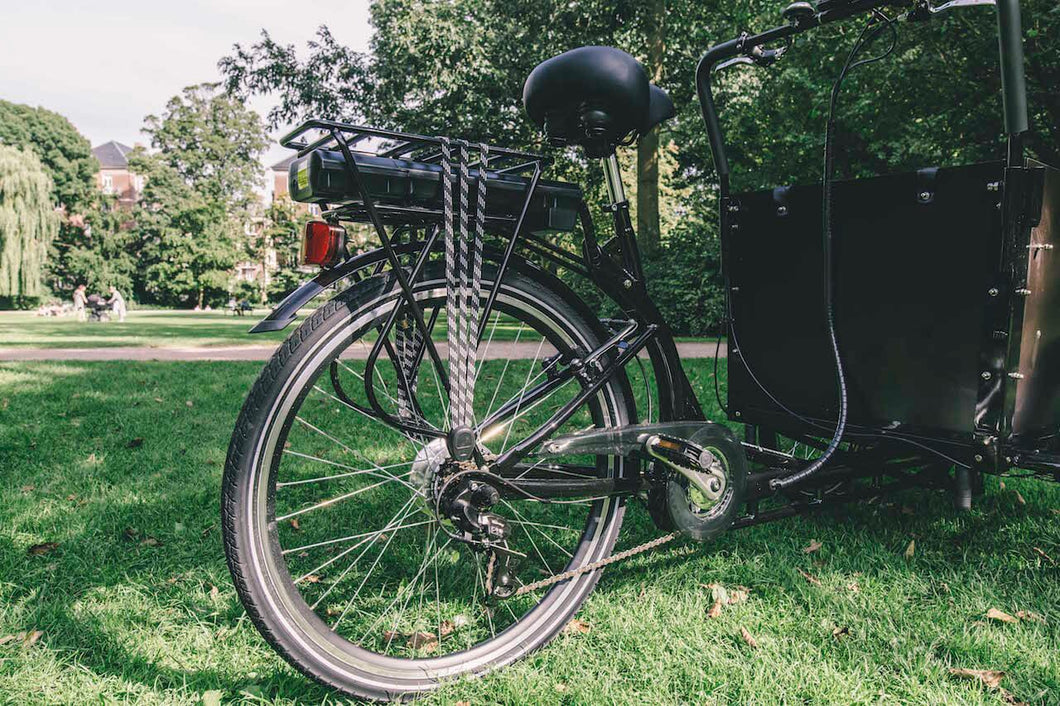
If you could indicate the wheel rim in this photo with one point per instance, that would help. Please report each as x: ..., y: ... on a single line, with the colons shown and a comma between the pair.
x: 387, y: 658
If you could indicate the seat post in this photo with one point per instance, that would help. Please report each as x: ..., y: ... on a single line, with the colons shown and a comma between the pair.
x: 613, y: 176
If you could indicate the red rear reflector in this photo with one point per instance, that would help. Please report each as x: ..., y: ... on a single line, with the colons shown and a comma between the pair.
x: 323, y: 244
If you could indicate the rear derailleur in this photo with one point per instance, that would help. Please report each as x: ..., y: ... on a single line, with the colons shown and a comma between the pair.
x: 468, y: 506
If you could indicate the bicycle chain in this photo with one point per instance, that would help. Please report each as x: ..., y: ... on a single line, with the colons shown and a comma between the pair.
x: 573, y: 573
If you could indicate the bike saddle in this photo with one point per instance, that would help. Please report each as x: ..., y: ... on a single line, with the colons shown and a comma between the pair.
x: 594, y: 97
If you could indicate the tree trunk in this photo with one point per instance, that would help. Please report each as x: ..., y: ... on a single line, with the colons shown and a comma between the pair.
x: 202, y: 292
x: 648, y: 229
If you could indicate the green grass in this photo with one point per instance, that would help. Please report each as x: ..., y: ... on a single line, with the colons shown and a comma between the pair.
x: 132, y: 619
x: 155, y: 328
x: 162, y: 328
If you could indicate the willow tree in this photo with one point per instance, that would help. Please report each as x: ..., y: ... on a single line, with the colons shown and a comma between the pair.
x: 28, y: 223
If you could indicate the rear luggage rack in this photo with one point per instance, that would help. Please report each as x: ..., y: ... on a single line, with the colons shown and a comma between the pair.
x: 401, y: 175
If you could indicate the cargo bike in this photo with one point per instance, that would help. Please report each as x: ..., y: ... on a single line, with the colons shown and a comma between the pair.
x: 430, y: 474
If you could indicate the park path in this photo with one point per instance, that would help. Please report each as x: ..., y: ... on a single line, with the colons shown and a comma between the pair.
x: 497, y: 351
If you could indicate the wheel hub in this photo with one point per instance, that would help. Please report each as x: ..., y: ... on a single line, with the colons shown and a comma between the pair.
x: 426, y: 466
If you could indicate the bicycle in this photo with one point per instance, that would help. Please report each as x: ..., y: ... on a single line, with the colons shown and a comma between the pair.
x: 399, y: 513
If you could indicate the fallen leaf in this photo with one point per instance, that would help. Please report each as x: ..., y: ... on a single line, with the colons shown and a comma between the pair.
x: 840, y: 632
x: 294, y: 524
x: 418, y: 640
x: 31, y: 638
x: 190, y: 403
x: 1042, y: 554
x: 131, y: 533
x: 748, y: 638
x: 446, y: 628
x: 7, y: 638
x: 391, y: 635
x: 911, y: 549
x: 853, y: 587
x: 715, y: 610
x: 42, y: 548
x: 810, y: 577
x: 577, y: 626
x: 460, y: 621
x: 158, y: 399
x: 211, y: 698
x: 990, y: 678
x: 303, y: 555
x: 312, y: 578
x: 28, y: 488
x: 561, y: 687
x: 462, y: 703
x: 150, y: 542
x: 1009, y: 698
x: 134, y: 443
x: 214, y: 592
x: 738, y: 594
x: 1028, y: 615
x: 71, y: 498
x: 718, y: 593
x: 1000, y: 616
x: 1019, y: 498
x: 814, y: 546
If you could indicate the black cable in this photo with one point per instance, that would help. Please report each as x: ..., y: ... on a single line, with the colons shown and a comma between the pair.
x: 867, y: 35
x: 735, y: 344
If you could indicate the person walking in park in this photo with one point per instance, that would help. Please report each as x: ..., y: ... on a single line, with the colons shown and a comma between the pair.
x: 79, y: 303
x: 117, y: 304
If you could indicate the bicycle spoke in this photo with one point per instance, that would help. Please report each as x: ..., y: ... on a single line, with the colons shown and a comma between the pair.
x: 349, y: 550
x: 352, y: 471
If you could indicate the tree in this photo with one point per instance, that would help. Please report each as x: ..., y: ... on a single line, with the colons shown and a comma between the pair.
x: 188, y: 244
x: 282, y: 234
x: 97, y: 249
x: 458, y: 68
x: 28, y: 223
x: 198, y: 188
x: 65, y: 154
x: 213, y: 142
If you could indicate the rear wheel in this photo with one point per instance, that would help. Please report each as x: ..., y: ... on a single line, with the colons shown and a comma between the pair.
x: 330, y: 534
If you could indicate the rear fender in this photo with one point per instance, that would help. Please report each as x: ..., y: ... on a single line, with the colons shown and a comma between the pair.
x: 287, y: 310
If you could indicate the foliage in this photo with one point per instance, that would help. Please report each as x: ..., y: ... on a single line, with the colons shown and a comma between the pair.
x: 187, y: 243
x: 97, y: 249
x: 89, y: 247
x: 284, y: 223
x: 458, y: 68
x: 199, y: 189
x: 213, y: 142
x: 65, y: 154
x: 28, y: 223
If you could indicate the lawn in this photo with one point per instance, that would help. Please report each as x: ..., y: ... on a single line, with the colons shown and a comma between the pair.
x: 154, y: 328
x: 119, y: 465
x: 162, y: 328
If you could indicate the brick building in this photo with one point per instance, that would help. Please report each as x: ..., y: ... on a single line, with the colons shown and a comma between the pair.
x: 114, y: 176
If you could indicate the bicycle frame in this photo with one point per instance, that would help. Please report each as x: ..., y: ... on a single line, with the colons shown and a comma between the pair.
x: 615, y: 266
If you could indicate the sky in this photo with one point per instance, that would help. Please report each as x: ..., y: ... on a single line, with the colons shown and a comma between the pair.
x: 105, y: 65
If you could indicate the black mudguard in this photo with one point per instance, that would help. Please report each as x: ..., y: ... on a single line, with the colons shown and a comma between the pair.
x: 287, y: 310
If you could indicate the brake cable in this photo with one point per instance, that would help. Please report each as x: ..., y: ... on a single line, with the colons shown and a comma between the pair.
x: 865, y: 38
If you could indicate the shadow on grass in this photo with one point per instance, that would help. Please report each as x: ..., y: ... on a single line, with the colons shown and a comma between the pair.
x: 128, y: 594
